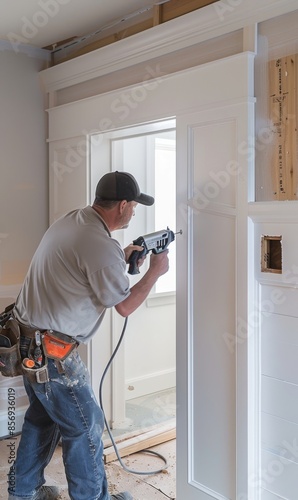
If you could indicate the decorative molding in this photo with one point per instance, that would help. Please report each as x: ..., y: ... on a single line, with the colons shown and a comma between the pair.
x: 104, y: 112
x: 275, y: 282
x: 208, y: 491
x: 161, y: 299
x: 219, y: 209
x: 204, y: 24
x: 274, y: 211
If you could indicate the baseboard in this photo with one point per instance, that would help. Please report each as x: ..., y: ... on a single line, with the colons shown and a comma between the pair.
x: 149, y: 384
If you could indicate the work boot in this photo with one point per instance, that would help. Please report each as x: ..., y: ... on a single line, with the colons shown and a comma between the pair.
x: 122, y: 496
x: 44, y: 493
x: 47, y: 493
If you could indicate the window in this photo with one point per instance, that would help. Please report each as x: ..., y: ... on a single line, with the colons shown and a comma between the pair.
x: 149, y: 153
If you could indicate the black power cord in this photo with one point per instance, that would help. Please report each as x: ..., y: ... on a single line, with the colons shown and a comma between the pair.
x: 107, y: 425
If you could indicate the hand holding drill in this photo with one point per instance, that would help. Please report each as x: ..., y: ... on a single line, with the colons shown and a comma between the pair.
x: 155, y: 242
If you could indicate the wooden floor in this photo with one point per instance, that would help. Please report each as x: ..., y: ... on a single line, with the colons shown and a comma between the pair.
x: 159, y: 486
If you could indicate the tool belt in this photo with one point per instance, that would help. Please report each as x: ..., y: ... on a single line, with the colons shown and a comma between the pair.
x: 10, y: 356
x: 53, y: 345
x: 43, y: 344
x: 56, y: 345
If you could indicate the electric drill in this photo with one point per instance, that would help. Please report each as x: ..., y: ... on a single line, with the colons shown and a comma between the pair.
x: 157, y: 242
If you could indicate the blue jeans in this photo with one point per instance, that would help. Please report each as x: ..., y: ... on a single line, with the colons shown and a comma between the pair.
x: 65, y: 405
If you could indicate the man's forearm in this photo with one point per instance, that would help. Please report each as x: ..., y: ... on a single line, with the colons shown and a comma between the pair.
x: 138, y: 293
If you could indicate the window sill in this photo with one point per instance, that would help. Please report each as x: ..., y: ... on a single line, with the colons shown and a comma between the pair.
x: 161, y: 299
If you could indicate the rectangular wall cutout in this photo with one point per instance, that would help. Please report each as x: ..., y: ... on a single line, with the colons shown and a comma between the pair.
x: 271, y: 254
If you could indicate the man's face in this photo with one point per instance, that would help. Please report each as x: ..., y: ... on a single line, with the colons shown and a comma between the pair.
x: 127, y: 214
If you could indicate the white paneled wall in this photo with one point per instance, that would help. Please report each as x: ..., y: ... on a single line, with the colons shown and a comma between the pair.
x: 278, y: 342
x: 279, y: 408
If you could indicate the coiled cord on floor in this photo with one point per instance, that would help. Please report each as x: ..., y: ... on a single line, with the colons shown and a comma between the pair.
x: 107, y: 425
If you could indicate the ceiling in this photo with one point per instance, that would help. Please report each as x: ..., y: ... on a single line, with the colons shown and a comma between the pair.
x: 43, y: 23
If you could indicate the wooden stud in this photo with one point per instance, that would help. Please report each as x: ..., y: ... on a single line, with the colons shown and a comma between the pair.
x: 283, y: 117
x: 157, y: 14
x: 291, y: 127
x: 161, y: 13
x: 97, y: 44
x: 177, y: 8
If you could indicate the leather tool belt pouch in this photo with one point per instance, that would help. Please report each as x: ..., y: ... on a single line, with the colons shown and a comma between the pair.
x: 57, y: 347
x: 39, y: 375
x: 10, y: 357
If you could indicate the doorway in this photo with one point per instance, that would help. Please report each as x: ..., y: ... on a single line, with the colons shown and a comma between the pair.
x: 143, y: 374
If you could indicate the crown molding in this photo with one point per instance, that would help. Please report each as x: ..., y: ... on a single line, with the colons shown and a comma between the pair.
x: 203, y: 24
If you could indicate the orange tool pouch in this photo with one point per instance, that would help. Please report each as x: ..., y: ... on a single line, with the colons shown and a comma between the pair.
x: 57, y: 347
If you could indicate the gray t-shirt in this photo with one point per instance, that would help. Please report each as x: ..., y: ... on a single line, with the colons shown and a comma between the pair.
x: 77, y: 271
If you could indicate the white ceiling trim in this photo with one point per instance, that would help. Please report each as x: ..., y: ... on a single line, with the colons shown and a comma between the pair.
x: 209, y: 22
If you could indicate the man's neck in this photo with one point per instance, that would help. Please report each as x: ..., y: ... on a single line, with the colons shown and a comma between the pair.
x: 107, y: 216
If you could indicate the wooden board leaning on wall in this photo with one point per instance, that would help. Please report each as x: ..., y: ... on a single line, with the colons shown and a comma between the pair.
x: 283, y: 88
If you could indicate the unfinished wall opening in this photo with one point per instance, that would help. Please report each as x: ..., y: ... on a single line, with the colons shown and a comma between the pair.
x: 271, y: 254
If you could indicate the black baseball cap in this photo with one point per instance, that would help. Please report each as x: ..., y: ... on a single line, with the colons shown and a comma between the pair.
x: 121, y: 186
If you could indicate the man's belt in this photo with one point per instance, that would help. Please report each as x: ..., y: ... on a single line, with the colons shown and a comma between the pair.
x: 29, y: 331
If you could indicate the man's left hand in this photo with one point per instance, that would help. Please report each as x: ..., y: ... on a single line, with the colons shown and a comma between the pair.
x: 131, y: 248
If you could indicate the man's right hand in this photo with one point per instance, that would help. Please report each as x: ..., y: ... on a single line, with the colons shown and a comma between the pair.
x: 159, y: 263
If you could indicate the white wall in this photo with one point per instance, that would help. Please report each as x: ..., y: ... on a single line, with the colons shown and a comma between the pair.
x: 24, y: 178
x: 23, y: 187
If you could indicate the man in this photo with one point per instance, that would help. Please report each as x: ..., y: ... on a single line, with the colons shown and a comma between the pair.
x: 77, y: 272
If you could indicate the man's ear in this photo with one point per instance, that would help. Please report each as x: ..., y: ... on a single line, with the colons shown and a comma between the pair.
x: 122, y: 206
